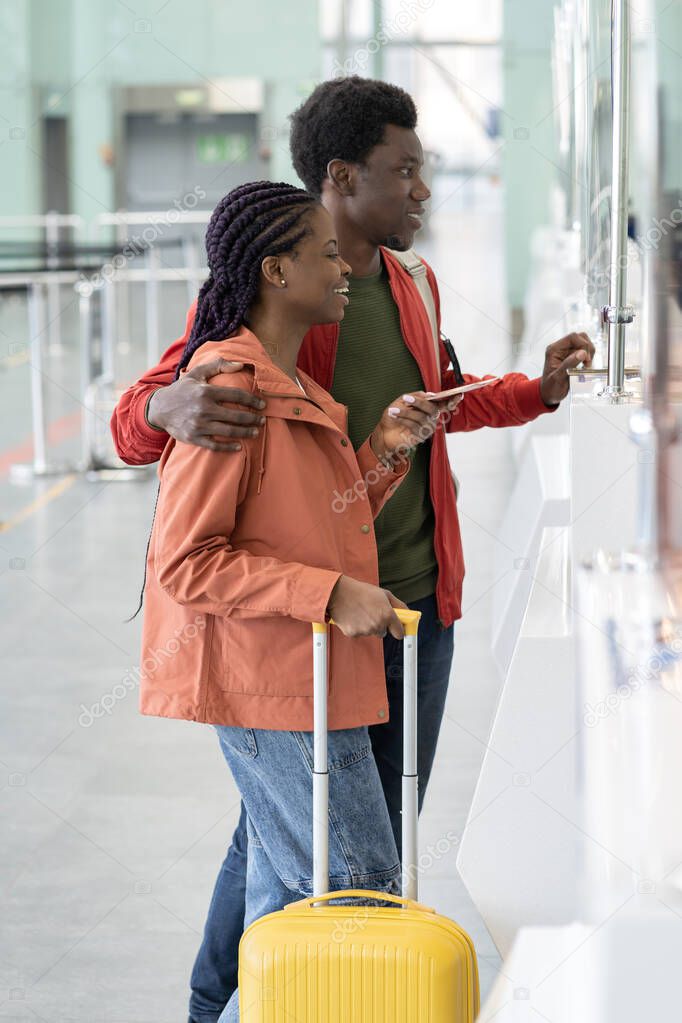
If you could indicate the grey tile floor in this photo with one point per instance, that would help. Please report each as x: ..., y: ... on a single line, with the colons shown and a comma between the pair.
x: 113, y: 828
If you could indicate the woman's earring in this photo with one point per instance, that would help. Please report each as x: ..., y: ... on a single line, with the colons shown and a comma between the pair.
x: 283, y: 282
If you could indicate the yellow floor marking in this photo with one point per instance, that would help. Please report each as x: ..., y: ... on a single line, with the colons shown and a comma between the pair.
x: 16, y: 359
x: 54, y: 491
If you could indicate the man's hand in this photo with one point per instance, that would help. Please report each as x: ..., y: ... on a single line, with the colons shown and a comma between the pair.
x: 193, y: 411
x: 561, y: 356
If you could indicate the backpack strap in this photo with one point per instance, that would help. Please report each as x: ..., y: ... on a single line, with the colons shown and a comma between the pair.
x: 411, y: 262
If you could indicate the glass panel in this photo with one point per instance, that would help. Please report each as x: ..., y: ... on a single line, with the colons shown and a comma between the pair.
x: 598, y: 137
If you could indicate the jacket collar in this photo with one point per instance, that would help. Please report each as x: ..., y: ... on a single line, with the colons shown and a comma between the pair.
x: 274, y: 383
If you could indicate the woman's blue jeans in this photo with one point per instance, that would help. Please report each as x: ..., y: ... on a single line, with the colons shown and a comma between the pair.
x: 269, y: 862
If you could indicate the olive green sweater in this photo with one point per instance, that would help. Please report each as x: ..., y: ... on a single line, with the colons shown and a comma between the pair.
x: 373, y: 368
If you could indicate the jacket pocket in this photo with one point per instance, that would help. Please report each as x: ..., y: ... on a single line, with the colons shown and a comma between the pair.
x: 258, y: 656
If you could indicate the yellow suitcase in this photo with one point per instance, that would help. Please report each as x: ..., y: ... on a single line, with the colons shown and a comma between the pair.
x: 330, y: 959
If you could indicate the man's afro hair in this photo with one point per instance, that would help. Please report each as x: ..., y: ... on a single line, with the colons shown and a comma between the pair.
x: 343, y: 119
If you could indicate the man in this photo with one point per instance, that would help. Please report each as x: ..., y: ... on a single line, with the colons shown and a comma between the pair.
x: 353, y: 142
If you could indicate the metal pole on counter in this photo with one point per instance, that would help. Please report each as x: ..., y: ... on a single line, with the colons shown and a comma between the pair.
x: 617, y: 314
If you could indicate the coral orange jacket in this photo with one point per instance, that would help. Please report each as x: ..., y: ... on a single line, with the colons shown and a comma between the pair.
x: 513, y: 400
x: 245, y: 550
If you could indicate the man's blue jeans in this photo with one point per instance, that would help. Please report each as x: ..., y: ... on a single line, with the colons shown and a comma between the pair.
x: 214, y: 976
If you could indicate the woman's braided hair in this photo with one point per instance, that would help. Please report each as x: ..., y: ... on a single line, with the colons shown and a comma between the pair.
x: 264, y: 218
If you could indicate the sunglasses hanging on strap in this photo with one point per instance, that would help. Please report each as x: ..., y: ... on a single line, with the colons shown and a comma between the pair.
x: 456, y: 368
x: 411, y: 262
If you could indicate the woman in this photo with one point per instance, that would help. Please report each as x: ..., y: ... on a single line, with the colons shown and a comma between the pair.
x: 249, y: 548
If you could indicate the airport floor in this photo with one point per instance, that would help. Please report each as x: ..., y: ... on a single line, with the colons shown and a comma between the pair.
x: 114, y: 827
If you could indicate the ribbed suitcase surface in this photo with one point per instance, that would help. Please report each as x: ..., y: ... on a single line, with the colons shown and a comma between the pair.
x: 363, y: 964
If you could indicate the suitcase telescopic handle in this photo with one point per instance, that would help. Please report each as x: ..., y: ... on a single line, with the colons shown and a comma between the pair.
x: 409, y: 619
x: 410, y: 622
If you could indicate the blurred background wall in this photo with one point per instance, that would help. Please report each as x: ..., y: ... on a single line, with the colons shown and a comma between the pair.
x: 92, y: 91
x: 121, y: 105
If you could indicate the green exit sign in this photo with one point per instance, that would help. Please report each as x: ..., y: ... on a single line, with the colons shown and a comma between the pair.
x: 215, y: 148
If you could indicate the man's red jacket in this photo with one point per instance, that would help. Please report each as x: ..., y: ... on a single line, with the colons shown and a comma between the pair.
x: 513, y: 400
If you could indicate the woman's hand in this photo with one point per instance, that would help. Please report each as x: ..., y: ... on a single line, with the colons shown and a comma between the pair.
x: 409, y: 420
x: 360, y: 609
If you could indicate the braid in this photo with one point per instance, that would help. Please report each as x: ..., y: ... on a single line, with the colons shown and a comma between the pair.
x: 263, y: 218
x: 259, y: 219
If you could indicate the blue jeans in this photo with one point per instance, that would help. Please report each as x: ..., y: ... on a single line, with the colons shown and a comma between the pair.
x: 274, y: 773
x: 214, y: 976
